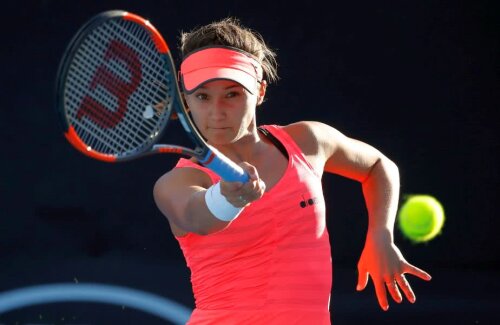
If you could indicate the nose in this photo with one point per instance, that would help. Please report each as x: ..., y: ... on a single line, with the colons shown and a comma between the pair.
x: 217, y: 109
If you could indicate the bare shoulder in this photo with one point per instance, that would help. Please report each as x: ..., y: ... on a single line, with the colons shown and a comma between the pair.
x: 339, y: 153
x: 316, y: 140
x: 314, y: 137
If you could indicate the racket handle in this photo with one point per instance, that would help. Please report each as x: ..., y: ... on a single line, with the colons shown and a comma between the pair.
x: 224, y: 167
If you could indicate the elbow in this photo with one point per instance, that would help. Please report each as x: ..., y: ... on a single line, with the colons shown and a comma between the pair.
x: 390, y: 173
x: 383, y: 167
x: 391, y: 167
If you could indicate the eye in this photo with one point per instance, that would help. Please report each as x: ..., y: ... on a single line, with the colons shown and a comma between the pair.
x: 201, y: 96
x: 232, y: 94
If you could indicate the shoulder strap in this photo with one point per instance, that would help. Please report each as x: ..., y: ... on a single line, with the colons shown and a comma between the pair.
x: 274, y: 140
x: 286, y: 141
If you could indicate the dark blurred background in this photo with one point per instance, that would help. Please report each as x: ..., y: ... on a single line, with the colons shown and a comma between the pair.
x: 416, y: 79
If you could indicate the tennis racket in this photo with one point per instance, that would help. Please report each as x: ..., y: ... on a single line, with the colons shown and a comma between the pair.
x: 116, y: 91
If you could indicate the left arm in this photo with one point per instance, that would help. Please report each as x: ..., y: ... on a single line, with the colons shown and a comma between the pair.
x: 381, y: 259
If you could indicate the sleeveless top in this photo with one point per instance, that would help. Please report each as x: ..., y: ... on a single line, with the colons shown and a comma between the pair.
x: 272, y: 265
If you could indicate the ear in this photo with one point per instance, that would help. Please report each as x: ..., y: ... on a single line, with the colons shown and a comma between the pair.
x: 262, y: 92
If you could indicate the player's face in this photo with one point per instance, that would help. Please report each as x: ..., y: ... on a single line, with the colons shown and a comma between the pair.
x: 223, y: 110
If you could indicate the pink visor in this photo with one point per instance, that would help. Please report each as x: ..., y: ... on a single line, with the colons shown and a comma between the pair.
x: 215, y: 63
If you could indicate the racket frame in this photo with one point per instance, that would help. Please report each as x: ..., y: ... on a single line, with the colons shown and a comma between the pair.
x: 204, y: 153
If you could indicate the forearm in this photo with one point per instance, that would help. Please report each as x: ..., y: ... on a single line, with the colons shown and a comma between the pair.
x: 198, y: 218
x: 381, y: 193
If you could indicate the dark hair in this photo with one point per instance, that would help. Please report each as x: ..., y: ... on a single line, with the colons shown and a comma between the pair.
x: 230, y: 32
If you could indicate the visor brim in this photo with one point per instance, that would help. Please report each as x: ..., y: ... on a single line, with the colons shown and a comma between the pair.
x: 195, y: 79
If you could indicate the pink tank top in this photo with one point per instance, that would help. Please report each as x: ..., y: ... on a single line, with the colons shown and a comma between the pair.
x: 272, y: 265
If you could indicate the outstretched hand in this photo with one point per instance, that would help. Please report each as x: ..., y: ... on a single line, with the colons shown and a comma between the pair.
x: 382, y: 260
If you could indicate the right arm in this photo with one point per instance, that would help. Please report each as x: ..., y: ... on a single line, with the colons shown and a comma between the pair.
x: 180, y: 196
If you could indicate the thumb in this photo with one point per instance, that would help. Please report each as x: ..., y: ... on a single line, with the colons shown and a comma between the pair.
x: 362, y: 280
x: 230, y: 186
x: 251, y: 170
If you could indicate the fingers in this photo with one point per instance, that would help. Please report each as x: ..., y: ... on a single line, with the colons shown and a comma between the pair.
x: 242, y: 194
x: 251, y: 170
x: 394, y: 285
x: 403, y: 282
x: 400, y: 283
x: 362, y: 280
x: 387, y: 269
x: 418, y: 272
x: 393, y: 289
x: 381, y: 294
x: 405, y: 286
x: 379, y: 287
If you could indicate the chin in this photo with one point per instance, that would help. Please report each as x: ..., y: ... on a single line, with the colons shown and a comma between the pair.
x: 219, y: 140
x: 220, y: 137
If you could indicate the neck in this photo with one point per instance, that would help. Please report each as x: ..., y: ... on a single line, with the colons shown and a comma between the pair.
x: 246, y: 148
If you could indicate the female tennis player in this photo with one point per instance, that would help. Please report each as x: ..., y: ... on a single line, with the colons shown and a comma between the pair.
x: 259, y: 252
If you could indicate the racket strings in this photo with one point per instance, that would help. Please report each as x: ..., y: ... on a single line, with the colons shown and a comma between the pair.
x: 108, y: 101
x: 141, y: 103
x: 134, y: 130
x: 152, y: 69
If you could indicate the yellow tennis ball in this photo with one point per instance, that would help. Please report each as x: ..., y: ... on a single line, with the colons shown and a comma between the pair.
x: 421, y: 218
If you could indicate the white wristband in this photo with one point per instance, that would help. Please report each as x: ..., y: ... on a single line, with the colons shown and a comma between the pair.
x: 219, y: 206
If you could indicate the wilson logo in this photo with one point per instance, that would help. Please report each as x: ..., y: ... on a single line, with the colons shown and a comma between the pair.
x: 99, y: 112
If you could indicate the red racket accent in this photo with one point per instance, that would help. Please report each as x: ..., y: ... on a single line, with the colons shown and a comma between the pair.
x: 101, y: 115
x: 170, y: 150
x: 158, y: 40
x: 73, y: 138
x: 209, y: 160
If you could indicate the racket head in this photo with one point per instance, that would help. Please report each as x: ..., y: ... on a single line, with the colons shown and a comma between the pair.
x: 116, y: 87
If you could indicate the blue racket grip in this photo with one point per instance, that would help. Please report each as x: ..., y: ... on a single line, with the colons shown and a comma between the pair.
x: 224, y: 167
